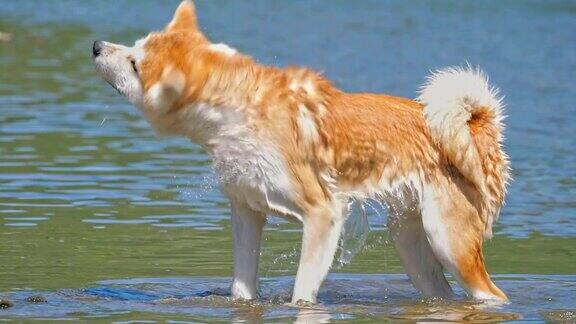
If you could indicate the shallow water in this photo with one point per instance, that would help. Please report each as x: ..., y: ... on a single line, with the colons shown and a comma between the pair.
x: 344, y: 297
x: 109, y: 222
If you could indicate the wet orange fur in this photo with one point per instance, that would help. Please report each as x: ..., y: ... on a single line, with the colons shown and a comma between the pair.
x: 495, y: 163
x: 460, y: 209
x: 361, y: 138
x: 360, y: 134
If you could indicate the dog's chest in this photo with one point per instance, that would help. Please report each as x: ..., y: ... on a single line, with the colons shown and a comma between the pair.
x: 249, y: 168
x: 252, y: 171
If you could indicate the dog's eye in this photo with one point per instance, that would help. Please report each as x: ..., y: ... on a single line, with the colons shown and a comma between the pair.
x: 134, y: 67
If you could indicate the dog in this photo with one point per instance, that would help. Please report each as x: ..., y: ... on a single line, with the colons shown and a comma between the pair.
x: 286, y: 142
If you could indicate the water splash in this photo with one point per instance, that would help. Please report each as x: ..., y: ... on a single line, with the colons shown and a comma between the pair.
x: 197, y: 187
x: 354, y: 234
x: 287, y: 258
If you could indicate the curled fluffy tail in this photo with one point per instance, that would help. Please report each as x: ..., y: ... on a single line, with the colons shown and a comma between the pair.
x: 464, y: 114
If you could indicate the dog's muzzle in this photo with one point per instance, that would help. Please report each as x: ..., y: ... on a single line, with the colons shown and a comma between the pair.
x: 97, y: 48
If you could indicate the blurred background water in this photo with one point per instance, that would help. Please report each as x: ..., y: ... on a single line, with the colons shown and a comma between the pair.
x: 88, y: 193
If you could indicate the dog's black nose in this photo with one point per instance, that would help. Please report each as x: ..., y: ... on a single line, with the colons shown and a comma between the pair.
x: 97, y: 48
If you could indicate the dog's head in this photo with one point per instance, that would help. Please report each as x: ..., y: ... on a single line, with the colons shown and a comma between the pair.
x: 152, y: 74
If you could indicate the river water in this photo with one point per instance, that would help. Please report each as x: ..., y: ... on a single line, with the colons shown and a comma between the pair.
x: 107, y: 222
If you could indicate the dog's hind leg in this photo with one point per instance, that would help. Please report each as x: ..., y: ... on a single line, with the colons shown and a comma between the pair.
x: 247, y: 226
x: 455, y: 232
x: 420, y: 263
x: 322, y: 228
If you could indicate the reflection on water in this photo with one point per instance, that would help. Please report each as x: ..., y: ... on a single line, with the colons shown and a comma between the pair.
x: 344, y: 296
x: 88, y: 193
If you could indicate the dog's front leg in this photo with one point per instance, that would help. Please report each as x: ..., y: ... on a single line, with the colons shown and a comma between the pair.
x: 319, y: 241
x: 247, y: 226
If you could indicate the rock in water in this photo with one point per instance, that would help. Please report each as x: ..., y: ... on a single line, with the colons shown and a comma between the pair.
x: 36, y: 299
x: 5, y: 303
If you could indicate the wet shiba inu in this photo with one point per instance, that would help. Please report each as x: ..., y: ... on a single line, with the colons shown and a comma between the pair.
x: 286, y: 142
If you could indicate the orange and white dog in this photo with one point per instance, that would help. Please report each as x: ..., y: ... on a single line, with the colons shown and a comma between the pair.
x: 286, y: 142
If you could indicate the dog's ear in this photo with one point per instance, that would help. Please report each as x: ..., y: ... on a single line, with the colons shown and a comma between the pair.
x: 184, y: 17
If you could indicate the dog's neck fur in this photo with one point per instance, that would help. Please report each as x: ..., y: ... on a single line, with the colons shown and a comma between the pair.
x: 235, y: 96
